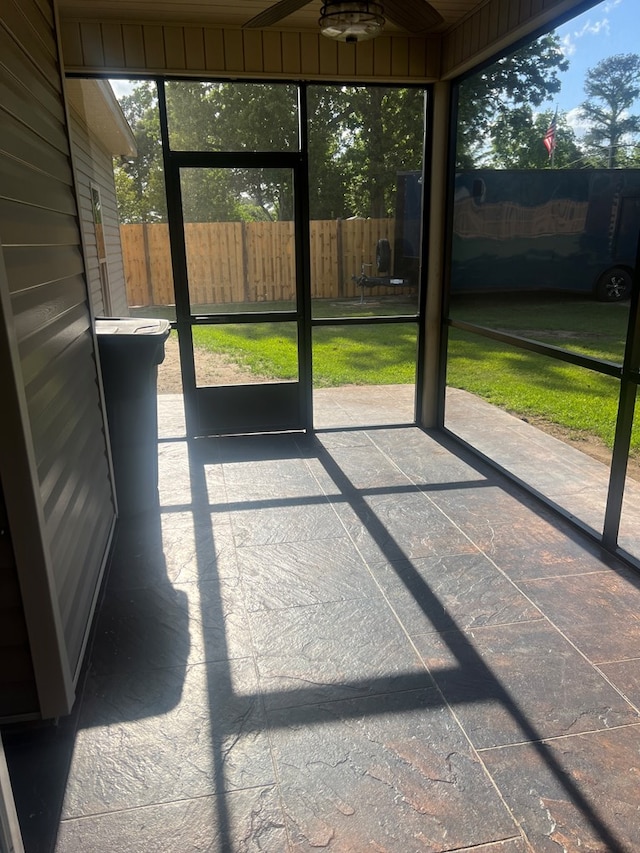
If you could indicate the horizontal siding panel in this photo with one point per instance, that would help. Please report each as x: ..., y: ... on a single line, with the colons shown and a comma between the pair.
x: 27, y: 268
x: 46, y: 10
x: 35, y: 227
x: 347, y: 60
x: 19, y: 141
x: 79, y: 445
x: 39, y: 351
x: 80, y: 602
x: 49, y: 303
x: 37, y: 79
x: 35, y: 93
x: 43, y: 391
x: 213, y: 49
x: 70, y: 551
x: 70, y: 544
x: 328, y: 56
x: 33, y: 33
x: 23, y: 184
x: 37, y: 307
x: 491, y: 28
x: 67, y: 424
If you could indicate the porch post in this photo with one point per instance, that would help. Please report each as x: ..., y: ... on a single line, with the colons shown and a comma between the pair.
x: 431, y: 411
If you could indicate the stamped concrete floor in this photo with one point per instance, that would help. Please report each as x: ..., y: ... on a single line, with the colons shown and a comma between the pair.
x: 357, y: 641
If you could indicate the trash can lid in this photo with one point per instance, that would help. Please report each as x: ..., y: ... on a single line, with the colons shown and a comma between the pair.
x: 132, y: 326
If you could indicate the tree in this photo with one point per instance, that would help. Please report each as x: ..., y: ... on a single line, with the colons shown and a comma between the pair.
x: 235, y: 117
x: 525, y: 78
x: 517, y: 141
x: 140, y: 181
x: 359, y: 139
x: 386, y: 128
x: 611, y: 87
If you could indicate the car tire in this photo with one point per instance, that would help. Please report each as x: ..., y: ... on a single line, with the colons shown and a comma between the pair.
x: 383, y: 256
x: 614, y: 285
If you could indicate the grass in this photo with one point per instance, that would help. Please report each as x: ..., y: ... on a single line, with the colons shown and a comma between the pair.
x: 360, y: 355
x: 526, y: 384
x: 580, y: 401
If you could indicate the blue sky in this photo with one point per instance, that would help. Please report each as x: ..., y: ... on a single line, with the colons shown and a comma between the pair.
x: 606, y: 29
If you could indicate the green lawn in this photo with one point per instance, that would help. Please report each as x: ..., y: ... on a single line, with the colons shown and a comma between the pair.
x: 361, y: 355
x: 531, y: 385
x: 521, y: 382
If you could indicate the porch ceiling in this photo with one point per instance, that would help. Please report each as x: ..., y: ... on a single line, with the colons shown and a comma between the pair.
x: 225, y: 13
x: 179, y: 36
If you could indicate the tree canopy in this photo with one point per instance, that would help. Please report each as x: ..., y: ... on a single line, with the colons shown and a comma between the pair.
x: 496, y: 103
x: 359, y: 138
x: 611, y: 87
x: 518, y: 135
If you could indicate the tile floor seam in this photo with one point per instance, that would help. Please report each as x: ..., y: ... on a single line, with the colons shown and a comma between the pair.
x: 616, y: 660
x: 443, y: 698
x: 269, y: 729
x: 486, y: 845
x: 577, y: 575
x: 634, y: 705
x: 156, y: 803
x: 553, y: 624
x: 553, y: 738
x: 585, y: 657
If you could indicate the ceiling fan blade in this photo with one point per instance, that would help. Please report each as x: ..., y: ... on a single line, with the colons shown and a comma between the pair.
x: 416, y: 16
x: 275, y: 13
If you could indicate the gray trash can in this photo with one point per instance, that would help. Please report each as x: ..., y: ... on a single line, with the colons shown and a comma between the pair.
x: 131, y: 348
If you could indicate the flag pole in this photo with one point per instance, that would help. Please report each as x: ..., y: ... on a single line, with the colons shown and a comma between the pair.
x: 549, y: 139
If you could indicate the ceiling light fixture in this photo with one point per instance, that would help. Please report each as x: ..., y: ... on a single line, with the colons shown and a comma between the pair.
x: 351, y: 20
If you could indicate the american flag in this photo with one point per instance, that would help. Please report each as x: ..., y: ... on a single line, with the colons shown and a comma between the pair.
x: 549, y: 139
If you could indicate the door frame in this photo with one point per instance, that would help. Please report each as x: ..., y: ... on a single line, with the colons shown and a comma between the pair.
x: 267, y: 407
x: 295, y: 398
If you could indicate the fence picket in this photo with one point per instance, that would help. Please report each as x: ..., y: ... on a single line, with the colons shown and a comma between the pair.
x: 235, y: 262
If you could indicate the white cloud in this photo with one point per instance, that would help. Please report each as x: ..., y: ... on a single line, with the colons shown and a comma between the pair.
x: 589, y: 28
x: 575, y: 121
x: 567, y: 45
x: 594, y: 29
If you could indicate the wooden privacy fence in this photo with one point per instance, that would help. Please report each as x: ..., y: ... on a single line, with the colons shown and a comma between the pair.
x: 231, y: 262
